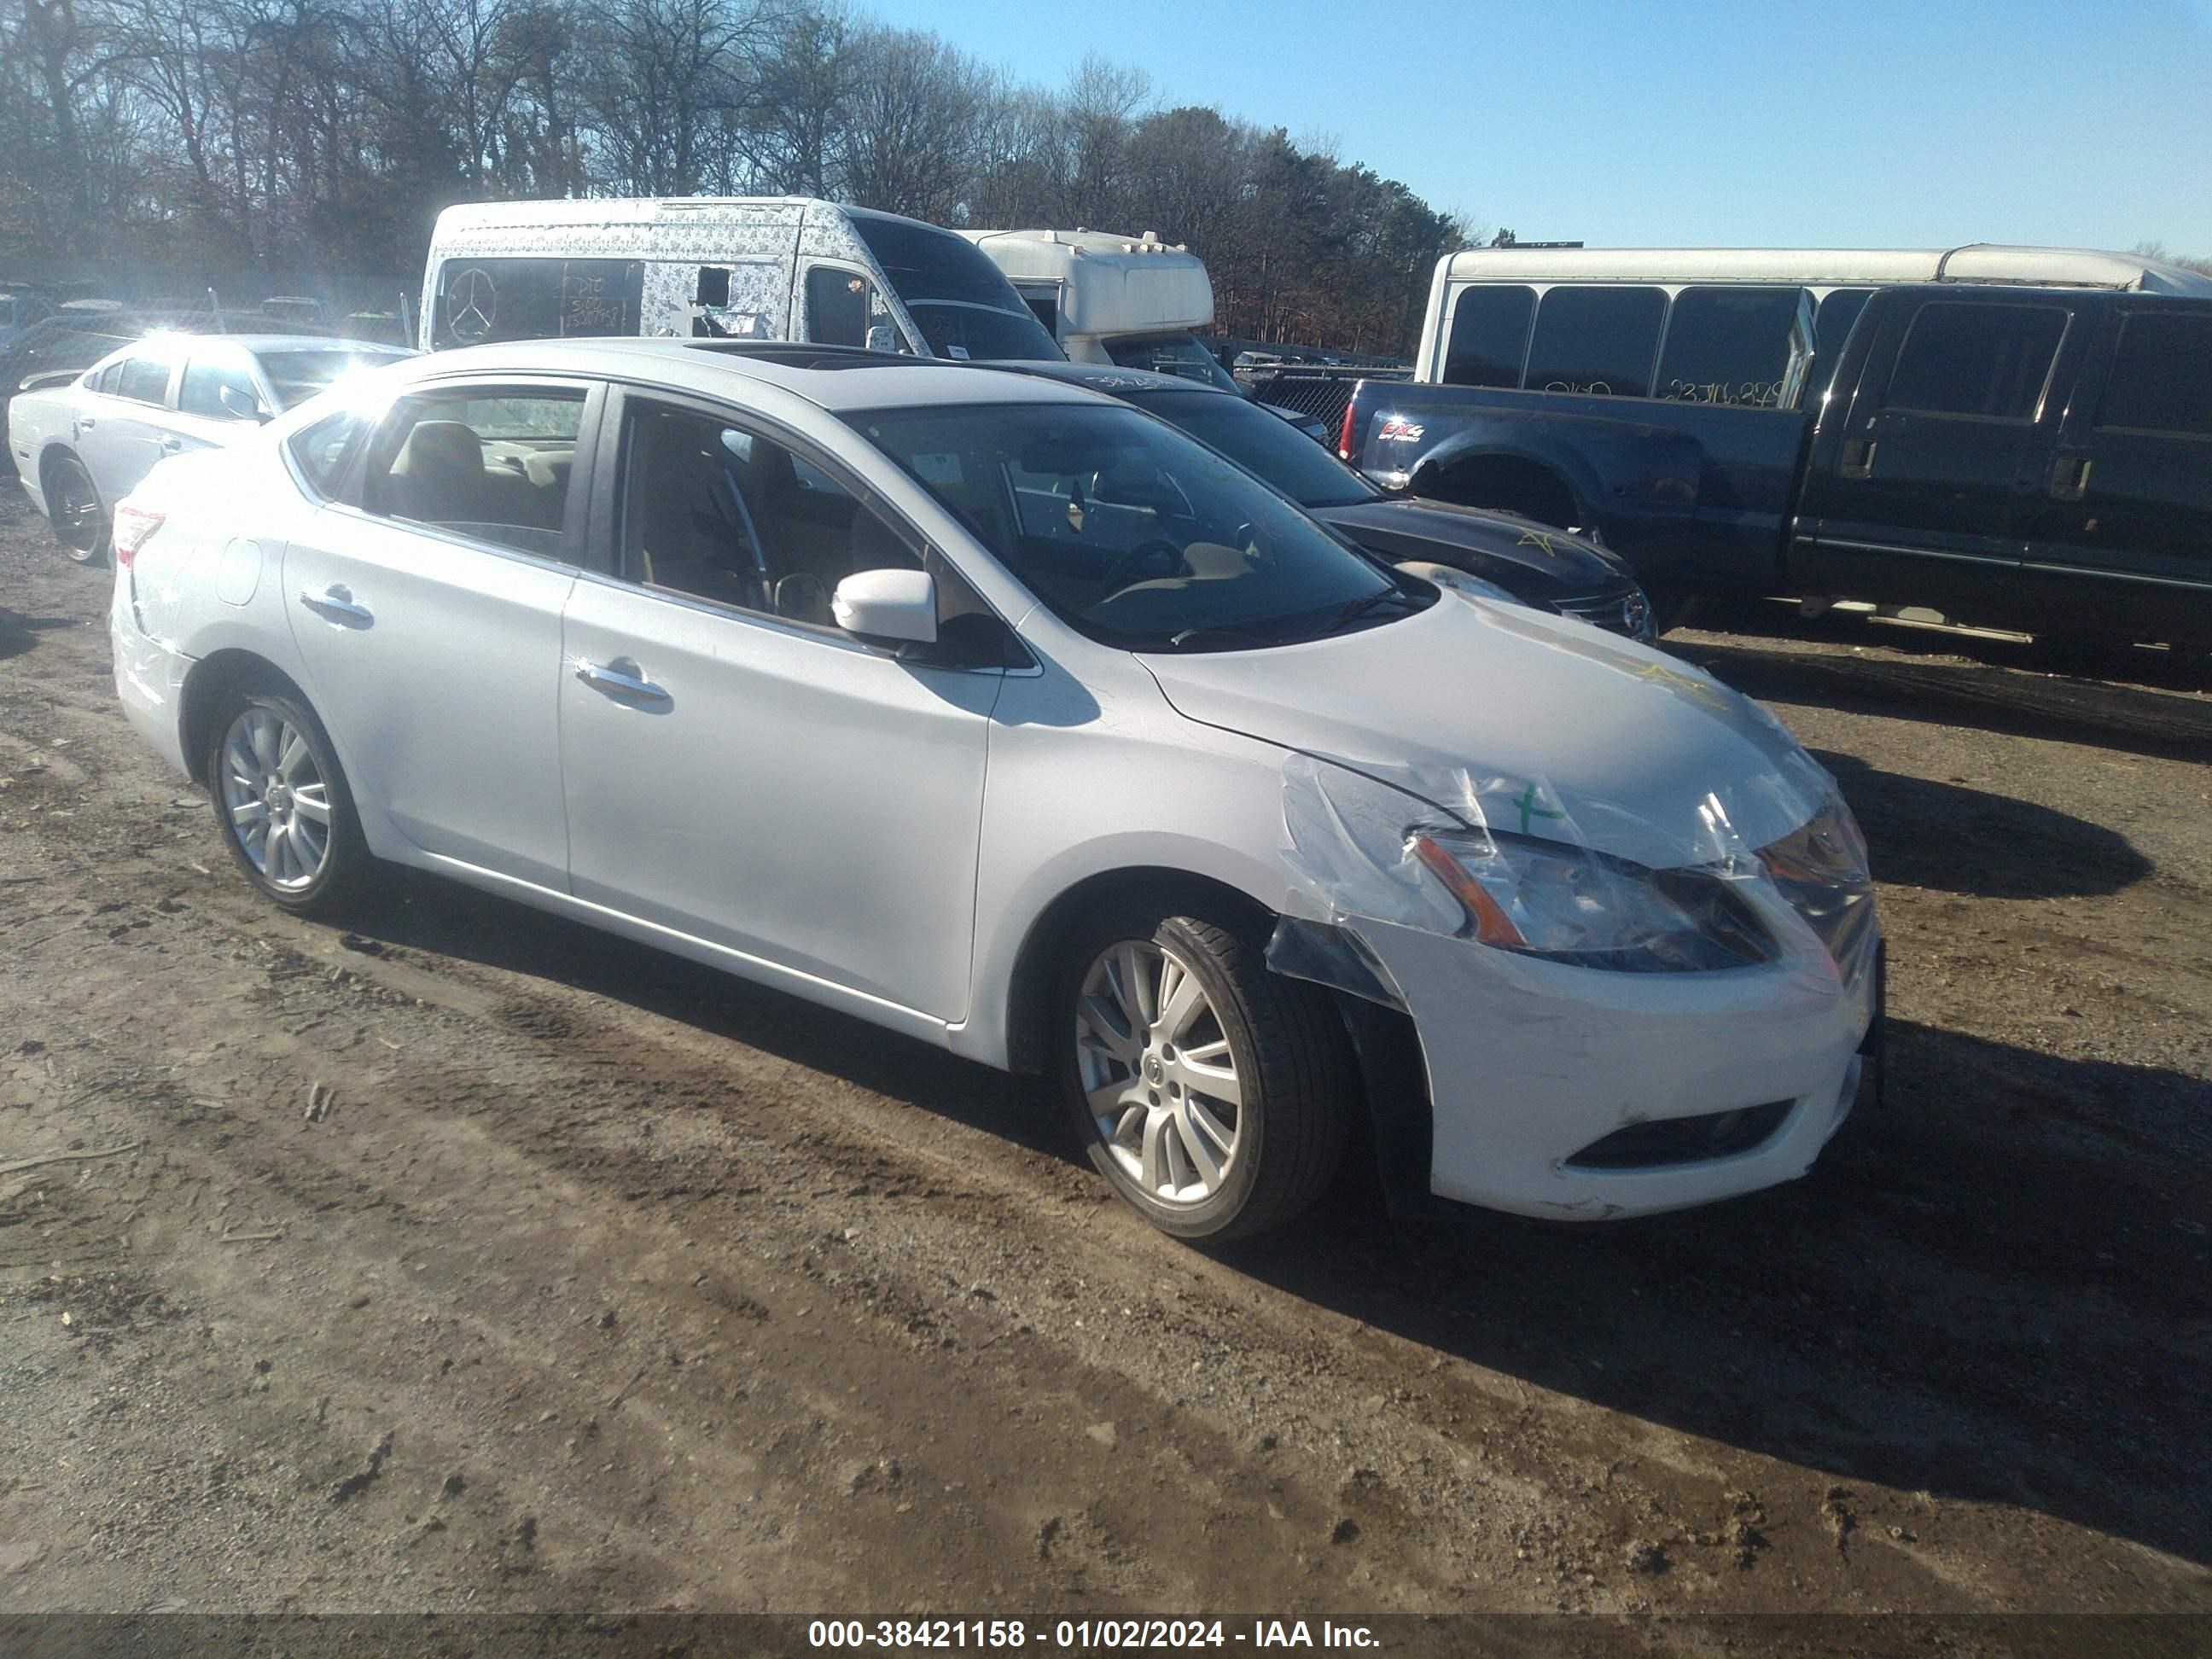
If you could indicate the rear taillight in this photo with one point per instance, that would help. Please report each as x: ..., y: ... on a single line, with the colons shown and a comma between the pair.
x: 134, y: 527
x: 1344, y: 432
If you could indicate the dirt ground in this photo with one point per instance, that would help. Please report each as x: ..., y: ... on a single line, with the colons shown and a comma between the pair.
x: 461, y: 1257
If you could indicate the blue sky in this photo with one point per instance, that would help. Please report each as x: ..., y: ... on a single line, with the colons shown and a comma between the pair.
x: 1610, y: 121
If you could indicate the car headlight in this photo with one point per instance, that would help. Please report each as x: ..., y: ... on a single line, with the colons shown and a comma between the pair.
x: 1567, y: 904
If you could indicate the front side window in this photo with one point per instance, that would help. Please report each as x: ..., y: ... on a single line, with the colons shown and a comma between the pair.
x: 1984, y: 361
x: 843, y: 309
x: 1489, y: 336
x: 2161, y: 377
x: 1596, y: 340
x: 1132, y: 533
x: 142, y: 379
x: 494, y: 466
x: 206, y: 376
x: 715, y: 512
x: 1728, y: 345
x: 1178, y: 354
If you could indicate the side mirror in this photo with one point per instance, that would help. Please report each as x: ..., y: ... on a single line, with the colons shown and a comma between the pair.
x: 887, y: 607
x: 241, y: 405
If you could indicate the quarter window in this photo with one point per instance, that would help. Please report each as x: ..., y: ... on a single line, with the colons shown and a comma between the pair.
x: 142, y: 379
x: 320, y: 451
x: 1728, y: 345
x: 1597, y: 340
x: 493, y: 465
x: 1489, y: 336
x: 718, y: 512
x: 1838, y: 313
x: 205, y: 378
x: 2161, y: 378
x: 1982, y: 361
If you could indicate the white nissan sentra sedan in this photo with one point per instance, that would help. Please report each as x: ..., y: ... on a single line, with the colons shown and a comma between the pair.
x: 1007, y: 717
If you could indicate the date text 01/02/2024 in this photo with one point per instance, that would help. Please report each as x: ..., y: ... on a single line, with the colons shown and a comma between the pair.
x: 1081, y: 1634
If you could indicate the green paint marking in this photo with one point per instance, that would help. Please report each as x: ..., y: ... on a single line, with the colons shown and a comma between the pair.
x: 1530, y: 810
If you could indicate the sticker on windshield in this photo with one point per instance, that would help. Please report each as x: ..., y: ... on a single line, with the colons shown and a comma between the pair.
x: 959, y: 351
x: 941, y: 468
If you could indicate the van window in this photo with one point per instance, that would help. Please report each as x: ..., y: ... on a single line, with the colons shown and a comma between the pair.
x: 1838, y: 313
x: 1599, y: 340
x: 2161, y: 378
x: 842, y: 306
x: 1982, y: 360
x: 956, y: 295
x: 1489, y: 336
x: 1728, y: 344
x: 534, y: 299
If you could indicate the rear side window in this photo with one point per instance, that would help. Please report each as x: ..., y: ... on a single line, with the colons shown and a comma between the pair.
x: 1597, y: 340
x: 1489, y: 336
x: 145, y: 379
x: 1982, y: 361
x: 1838, y: 313
x: 495, y: 466
x: 2161, y: 378
x: 1728, y: 345
x: 321, y: 449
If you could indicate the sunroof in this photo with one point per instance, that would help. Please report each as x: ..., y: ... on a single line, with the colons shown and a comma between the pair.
x: 789, y: 353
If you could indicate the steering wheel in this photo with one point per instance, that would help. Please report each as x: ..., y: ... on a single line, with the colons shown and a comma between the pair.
x: 1119, y: 572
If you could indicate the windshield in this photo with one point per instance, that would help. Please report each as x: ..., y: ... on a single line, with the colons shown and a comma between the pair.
x: 1170, y: 354
x: 954, y: 292
x: 1130, y: 532
x: 981, y: 332
x: 297, y: 376
x: 1265, y: 444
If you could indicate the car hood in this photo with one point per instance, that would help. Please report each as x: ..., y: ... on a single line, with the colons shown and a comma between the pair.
x: 1521, y: 556
x: 1519, y: 720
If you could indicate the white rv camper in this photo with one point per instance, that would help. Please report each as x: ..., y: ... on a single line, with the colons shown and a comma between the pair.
x: 1132, y: 300
x: 787, y: 268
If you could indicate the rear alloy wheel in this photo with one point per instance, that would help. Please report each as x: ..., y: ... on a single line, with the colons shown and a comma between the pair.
x: 74, y: 509
x: 1212, y: 1094
x: 281, y: 804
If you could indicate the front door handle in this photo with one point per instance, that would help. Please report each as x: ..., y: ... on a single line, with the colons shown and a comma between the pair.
x: 2070, y: 478
x: 622, y: 677
x: 1857, y: 459
x: 335, y: 602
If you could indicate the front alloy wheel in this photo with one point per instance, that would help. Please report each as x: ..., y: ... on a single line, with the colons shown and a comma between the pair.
x: 1157, y: 1072
x: 1212, y: 1094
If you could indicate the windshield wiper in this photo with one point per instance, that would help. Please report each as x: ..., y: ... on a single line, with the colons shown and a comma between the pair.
x: 1370, y: 602
x: 1242, y: 635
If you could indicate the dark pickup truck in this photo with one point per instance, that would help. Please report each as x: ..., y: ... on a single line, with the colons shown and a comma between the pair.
x: 2029, y: 459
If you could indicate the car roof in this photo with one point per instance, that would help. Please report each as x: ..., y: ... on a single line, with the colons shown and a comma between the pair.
x: 1114, y: 380
x: 837, y: 379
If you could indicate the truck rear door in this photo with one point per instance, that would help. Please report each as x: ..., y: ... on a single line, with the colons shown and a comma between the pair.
x: 1916, y: 498
x: 2118, y: 526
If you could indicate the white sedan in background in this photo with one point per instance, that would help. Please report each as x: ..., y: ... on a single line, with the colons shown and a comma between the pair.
x: 1001, y: 715
x: 82, y: 443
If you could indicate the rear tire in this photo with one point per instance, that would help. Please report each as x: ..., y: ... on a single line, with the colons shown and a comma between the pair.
x: 73, y: 508
x: 1215, y: 1096
x: 282, y: 805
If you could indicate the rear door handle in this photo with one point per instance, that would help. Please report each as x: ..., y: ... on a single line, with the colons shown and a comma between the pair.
x: 1857, y: 459
x: 337, y: 602
x: 622, y: 677
x: 2070, y: 478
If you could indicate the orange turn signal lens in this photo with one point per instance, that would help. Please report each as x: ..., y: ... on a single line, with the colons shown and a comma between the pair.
x: 1491, y: 925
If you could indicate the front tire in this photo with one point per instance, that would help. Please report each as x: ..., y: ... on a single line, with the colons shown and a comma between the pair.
x: 282, y: 805
x: 1213, y: 1095
x: 73, y: 508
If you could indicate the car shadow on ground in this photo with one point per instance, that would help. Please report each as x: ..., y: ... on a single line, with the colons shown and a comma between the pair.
x: 1990, y: 1289
x: 1914, y: 829
x: 1975, y: 1293
x: 19, y: 633
x: 2037, y: 695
